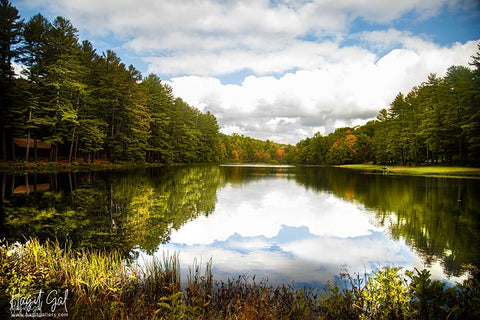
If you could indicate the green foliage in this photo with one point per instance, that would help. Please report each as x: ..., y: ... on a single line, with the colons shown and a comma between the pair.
x: 337, y: 303
x: 10, y: 32
x: 386, y: 296
x: 431, y: 298
x: 242, y: 149
x: 445, y: 229
x: 10, y: 36
x: 112, y: 210
x: 345, y: 145
x: 91, y: 106
x: 432, y: 123
x: 436, y: 122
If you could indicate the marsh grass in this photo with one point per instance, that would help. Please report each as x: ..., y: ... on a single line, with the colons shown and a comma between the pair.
x: 102, y: 285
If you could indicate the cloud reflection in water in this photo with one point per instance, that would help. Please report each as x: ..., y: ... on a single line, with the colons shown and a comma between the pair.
x: 273, y: 228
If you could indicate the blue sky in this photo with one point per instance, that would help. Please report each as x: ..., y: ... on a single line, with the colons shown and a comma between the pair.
x: 280, y: 70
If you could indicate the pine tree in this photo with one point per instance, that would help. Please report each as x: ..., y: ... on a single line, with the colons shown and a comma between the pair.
x: 64, y: 75
x: 33, y: 58
x: 10, y: 36
x: 159, y: 101
x: 209, y: 140
x: 472, y: 126
x: 92, y: 130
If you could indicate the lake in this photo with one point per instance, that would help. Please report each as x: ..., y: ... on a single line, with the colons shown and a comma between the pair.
x: 300, y: 225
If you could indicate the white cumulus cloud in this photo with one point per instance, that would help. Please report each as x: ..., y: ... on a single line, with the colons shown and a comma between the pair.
x: 306, y: 62
x: 348, y: 88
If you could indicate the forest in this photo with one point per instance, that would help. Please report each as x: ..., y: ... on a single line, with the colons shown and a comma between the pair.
x: 437, y: 122
x: 73, y: 104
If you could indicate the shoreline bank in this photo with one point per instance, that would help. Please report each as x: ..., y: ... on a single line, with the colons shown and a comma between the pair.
x: 433, y: 171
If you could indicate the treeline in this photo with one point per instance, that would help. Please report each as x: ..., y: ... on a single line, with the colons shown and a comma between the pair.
x: 436, y: 122
x: 71, y: 102
x: 345, y: 145
x: 242, y: 149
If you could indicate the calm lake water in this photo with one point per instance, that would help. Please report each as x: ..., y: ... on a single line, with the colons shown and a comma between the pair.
x: 287, y: 224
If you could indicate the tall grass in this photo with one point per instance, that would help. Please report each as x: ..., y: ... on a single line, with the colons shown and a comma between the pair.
x: 102, y: 285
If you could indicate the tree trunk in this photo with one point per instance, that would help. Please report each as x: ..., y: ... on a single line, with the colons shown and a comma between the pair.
x: 70, y: 185
x: 27, y: 149
x: 35, y: 183
x: 76, y: 147
x: 27, y: 152
x: 27, y: 184
x: 71, y: 146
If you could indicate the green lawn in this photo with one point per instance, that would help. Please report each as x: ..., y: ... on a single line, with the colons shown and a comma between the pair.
x: 421, y: 170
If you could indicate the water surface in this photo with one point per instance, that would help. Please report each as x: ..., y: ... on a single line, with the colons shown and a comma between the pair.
x: 284, y: 223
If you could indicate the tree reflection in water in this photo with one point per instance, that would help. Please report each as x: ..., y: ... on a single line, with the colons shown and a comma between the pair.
x: 139, y: 208
x: 438, y: 217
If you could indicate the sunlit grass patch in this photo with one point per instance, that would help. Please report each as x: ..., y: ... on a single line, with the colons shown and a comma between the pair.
x: 420, y: 170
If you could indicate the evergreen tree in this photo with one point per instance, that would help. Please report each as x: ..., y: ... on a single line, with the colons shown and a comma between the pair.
x: 382, y: 138
x: 159, y: 102
x: 460, y: 80
x: 34, y: 50
x: 135, y: 131
x: 438, y: 120
x: 64, y: 81
x: 10, y: 37
x: 183, y: 132
x: 399, y: 114
x: 472, y: 126
x: 209, y: 140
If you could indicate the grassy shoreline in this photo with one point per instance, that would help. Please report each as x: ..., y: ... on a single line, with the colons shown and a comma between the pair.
x: 99, y: 285
x: 437, y: 171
